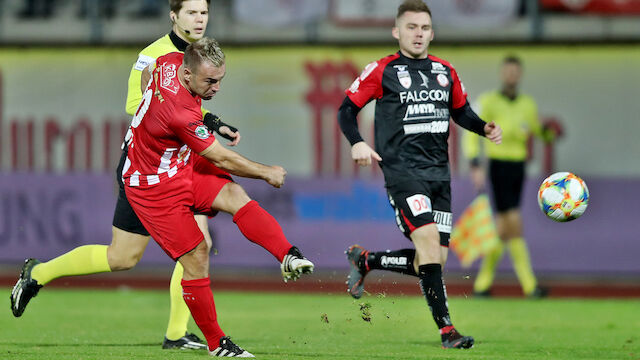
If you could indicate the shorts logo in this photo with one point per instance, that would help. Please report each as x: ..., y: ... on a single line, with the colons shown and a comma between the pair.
x: 443, y: 80
x: 419, y: 204
x: 202, y: 132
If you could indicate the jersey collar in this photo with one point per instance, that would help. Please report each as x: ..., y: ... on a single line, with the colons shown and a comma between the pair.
x: 178, y: 42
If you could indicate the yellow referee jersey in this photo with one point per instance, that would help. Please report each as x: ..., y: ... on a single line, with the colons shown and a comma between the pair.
x: 517, y: 118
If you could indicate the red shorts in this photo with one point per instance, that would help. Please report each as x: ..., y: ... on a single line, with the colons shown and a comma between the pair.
x: 165, y: 210
x: 208, y: 180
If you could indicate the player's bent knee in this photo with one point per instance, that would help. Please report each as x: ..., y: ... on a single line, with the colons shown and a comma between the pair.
x: 126, y: 249
x: 231, y: 198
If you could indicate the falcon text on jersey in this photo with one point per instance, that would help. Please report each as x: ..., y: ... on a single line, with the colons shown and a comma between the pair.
x: 424, y: 95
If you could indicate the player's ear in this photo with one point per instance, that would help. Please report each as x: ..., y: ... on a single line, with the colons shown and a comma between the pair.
x: 395, y: 32
x: 172, y: 16
x: 432, y: 34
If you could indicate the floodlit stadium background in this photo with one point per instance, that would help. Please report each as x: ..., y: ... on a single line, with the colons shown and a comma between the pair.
x: 63, y: 86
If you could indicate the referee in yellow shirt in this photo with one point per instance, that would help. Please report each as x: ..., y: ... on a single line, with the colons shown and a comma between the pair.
x: 517, y: 115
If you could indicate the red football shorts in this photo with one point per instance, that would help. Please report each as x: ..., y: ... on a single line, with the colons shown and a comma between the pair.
x: 208, y: 180
x: 166, y: 212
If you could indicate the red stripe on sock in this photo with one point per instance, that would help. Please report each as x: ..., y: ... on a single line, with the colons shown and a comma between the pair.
x: 446, y: 329
x: 257, y: 225
x: 199, y: 298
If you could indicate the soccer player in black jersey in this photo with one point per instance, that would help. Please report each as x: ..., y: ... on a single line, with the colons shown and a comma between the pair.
x: 416, y: 94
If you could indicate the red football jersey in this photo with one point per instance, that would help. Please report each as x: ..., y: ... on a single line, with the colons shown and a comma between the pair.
x: 166, y: 126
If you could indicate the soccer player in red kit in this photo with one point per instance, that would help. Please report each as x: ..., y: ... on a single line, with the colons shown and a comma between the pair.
x: 158, y: 175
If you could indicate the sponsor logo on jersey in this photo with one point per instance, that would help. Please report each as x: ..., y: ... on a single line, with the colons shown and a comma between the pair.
x: 424, y: 95
x: 169, y: 79
x: 202, y: 132
x: 403, y: 76
x: 437, y: 68
x: 425, y: 79
x: 434, y: 127
x: 443, y: 80
x: 424, y: 111
x: 419, y: 204
x: 444, y: 220
x: 143, y: 62
x: 393, y: 260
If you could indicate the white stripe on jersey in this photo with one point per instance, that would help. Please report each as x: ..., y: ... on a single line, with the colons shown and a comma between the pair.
x: 165, y: 161
x: 134, y: 180
x: 153, y: 179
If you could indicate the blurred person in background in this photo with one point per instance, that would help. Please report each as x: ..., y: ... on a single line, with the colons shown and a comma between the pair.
x: 37, y: 9
x: 130, y: 237
x: 147, y: 9
x: 416, y: 93
x: 105, y: 8
x: 517, y: 114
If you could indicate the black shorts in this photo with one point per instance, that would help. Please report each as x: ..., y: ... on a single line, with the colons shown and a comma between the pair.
x: 124, y: 218
x: 507, y: 178
x: 418, y: 203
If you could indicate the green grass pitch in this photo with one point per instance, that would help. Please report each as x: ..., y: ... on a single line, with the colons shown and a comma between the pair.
x: 130, y: 324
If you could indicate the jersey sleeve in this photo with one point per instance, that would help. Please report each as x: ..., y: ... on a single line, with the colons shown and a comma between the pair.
x: 134, y: 95
x: 458, y: 92
x: 367, y: 86
x: 187, y: 125
x: 471, y: 142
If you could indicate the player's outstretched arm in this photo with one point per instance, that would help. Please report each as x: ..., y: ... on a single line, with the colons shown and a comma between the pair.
x: 238, y: 165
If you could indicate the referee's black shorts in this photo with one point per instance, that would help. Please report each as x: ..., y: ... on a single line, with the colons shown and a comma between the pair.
x: 124, y: 218
x: 507, y: 178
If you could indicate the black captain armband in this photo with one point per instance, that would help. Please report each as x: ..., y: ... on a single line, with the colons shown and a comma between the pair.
x: 214, y: 123
x: 468, y: 119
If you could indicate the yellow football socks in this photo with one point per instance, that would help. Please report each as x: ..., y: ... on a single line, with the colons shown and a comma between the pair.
x: 487, y: 271
x: 83, y: 260
x: 522, y: 265
x: 179, y: 313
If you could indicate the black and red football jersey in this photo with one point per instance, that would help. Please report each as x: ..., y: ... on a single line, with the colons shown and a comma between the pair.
x: 414, y: 99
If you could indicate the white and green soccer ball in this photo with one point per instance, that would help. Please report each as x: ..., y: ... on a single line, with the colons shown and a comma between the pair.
x: 563, y: 196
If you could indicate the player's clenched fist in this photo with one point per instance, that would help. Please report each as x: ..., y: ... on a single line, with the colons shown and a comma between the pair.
x: 362, y: 154
x: 276, y: 176
x: 493, y: 132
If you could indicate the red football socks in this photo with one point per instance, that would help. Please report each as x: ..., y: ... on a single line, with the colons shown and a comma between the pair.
x: 257, y: 225
x: 199, y: 298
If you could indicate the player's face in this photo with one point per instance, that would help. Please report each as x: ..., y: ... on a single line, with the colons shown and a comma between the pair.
x: 205, y: 81
x: 511, y: 74
x: 190, y: 23
x: 414, y: 33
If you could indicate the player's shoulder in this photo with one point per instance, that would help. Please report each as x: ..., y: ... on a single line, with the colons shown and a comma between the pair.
x: 527, y: 99
x: 436, y: 59
x: 171, y: 58
x: 159, y: 47
x: 149, y: 54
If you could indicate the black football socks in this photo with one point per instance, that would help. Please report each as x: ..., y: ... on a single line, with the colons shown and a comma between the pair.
x: 400, y: 261
x: 434, y: 291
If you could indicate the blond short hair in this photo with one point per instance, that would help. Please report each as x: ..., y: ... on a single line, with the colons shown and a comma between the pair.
x: 205, y: 49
